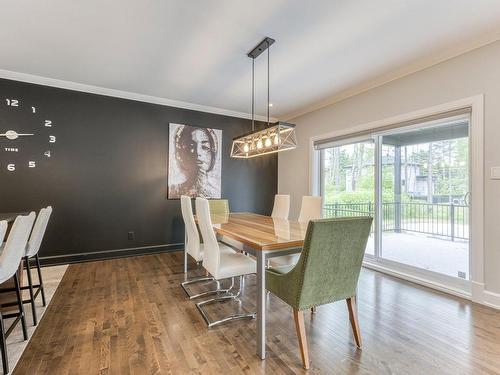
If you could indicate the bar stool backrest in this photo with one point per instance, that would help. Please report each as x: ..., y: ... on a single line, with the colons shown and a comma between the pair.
x: 15, y: 247
x: 3, y: 230
x: 38, y: 232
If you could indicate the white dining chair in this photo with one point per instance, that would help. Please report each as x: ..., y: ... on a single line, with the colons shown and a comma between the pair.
x: 222, y: 263
x: 195, y: 249
x: 34, y: 243
x: 10, y: 258
x: 281, y: 206
x: 310, y: 209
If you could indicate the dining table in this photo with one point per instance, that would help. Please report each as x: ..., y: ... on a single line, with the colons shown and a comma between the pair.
x: 264, y: 237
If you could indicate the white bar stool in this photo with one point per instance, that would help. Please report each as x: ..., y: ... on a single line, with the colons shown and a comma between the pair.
x: 10, y: 258
x: 32, y: 249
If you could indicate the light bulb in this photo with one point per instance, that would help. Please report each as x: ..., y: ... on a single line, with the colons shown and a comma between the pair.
x: 246, y: 148
x: 259, y: 143
x: 276, y: 139
x: 268, y: 142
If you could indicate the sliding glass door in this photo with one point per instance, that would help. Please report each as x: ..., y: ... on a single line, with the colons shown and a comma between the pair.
x: 414, y: 181
x: 425, y: 186
x: 348, y: 181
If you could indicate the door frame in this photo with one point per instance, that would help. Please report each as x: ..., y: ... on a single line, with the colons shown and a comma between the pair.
x: 474, y: 287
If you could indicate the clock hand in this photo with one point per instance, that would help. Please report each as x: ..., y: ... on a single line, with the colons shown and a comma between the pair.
x: 12, y: 134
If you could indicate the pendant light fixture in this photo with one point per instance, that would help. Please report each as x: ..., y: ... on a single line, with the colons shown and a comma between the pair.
x: 274, y: 137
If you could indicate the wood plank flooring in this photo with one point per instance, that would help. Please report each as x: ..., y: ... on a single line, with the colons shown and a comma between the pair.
x: 129, y: 316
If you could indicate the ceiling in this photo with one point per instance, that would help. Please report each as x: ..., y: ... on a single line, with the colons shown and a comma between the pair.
x: 195, y: 51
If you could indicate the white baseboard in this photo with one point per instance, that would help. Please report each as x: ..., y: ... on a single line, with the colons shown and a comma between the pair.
x: 417, y: 280
x: 478, y: 293
x: 485, y: 297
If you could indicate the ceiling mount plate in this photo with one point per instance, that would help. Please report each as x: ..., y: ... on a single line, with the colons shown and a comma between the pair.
x: 261, y: 47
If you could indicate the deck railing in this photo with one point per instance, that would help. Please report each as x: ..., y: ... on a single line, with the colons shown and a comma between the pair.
x: 444, y: 220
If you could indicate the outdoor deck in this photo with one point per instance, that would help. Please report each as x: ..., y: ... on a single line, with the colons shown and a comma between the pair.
x: 425, y: 251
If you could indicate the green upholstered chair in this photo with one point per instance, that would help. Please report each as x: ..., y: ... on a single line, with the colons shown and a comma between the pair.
x: 327, y: 271
x: 218, y: 206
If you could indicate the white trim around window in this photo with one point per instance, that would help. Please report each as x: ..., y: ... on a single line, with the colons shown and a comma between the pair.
x: 476, y: 290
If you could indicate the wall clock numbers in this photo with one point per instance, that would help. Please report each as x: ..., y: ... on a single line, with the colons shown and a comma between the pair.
x: 27, y: 137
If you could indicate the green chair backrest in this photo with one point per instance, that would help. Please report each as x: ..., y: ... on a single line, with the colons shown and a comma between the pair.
x: 218, y: 206
x: 331, y: 259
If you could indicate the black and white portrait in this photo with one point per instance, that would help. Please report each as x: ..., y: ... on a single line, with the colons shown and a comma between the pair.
x: 194, y: 163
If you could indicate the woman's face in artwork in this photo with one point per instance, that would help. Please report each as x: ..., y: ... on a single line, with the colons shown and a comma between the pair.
x: 200, y: 148
x: 196, y: 151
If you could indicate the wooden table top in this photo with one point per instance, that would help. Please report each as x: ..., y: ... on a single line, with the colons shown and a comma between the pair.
x: 260, y: 232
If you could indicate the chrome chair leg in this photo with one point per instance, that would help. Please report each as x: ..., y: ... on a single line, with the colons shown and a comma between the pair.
x: 194, y: 281
x: 216, y: 291
x: 235, y: 296
x: 186, y: 282
x: 208, y: 292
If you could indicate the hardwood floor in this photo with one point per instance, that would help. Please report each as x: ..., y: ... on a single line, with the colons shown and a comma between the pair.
x: 130, y: 316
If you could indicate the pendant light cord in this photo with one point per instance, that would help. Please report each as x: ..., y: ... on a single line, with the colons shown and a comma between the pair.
x: 268, y: 83
x: 253, y: 94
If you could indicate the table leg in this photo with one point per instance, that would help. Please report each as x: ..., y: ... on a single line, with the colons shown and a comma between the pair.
x: 261, y: 304
x: 185, y: 254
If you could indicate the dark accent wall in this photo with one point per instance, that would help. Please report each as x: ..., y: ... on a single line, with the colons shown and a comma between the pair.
x: 108, y: 172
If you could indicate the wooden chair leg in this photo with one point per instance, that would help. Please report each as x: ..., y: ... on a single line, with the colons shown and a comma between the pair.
x: 298, y: 316
x: 353, y: 317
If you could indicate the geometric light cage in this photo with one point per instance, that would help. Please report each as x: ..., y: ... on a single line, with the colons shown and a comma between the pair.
x: 276, y: 138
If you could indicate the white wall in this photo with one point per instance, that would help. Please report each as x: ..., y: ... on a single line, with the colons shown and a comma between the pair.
x: 473, y: 73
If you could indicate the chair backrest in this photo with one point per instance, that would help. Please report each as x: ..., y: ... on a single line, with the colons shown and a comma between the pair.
x: 281, y: 206
x: 15, y: 246
x: 193, y: 238
x: 38, y: 232
x: 211, y: 251
x: 310, y: 209
x: 218, y: 206
x: 329, y: 265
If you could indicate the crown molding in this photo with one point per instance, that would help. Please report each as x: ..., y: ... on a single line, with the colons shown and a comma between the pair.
x: 75, y: 86
x: 390, y: 76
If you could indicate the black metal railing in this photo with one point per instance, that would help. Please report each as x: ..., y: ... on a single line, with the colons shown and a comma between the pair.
x: 444, y: 220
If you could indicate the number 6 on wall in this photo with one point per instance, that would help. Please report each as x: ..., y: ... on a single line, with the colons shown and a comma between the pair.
x: 11, y: 167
